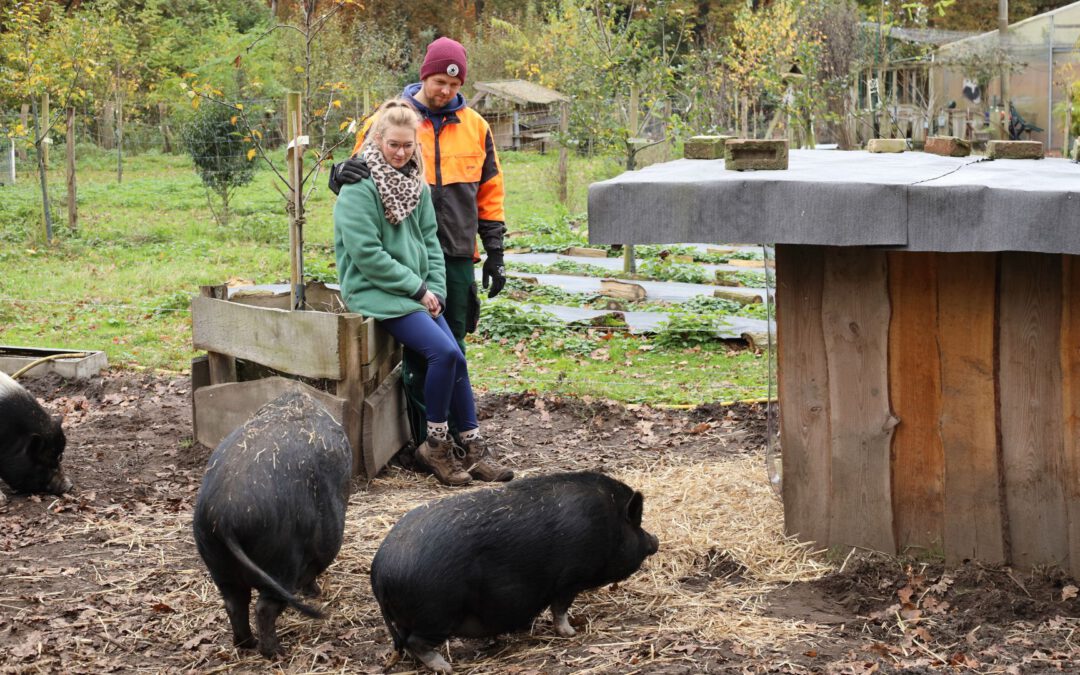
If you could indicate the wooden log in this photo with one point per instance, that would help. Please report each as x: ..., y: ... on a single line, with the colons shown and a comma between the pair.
x: 300, y: 343
x: 966, y: 317
x: 741, y: 297
x: 1031, y: 408
x: 221, y: 408
x: 1070, y: 371
x: 803, y: 380
x: 581, y: 251
x: 738, y: 262
x: 855, y: 316
x: 222, y: 364
x: 918, y: 460
x: 622, y: 289
x: 386, y: 428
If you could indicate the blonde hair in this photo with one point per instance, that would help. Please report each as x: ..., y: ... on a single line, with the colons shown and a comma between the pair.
x: 396, y: 112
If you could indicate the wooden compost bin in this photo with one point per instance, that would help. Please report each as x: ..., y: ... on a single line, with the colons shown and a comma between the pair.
x: 928, y: 319
x: 351, y: 359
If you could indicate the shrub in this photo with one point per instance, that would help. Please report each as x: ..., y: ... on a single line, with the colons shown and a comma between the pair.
x: 216, y: 146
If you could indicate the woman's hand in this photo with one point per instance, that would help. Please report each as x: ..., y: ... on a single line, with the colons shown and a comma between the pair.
x: 434, y: 307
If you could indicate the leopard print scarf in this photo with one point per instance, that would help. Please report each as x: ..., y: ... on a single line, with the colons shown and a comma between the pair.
x: 399, y: 190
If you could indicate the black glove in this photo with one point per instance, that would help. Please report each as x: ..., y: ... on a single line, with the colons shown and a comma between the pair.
x: 494, y: 272
x: 352, y: 170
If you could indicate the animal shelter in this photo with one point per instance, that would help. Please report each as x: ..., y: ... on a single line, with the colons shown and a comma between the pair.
x: 928, y: 317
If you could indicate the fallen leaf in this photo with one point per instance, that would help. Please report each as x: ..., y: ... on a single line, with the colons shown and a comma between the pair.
x: 1069, y: 592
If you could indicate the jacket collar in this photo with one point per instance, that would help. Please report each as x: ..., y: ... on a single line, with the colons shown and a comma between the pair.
x: 445, y: 115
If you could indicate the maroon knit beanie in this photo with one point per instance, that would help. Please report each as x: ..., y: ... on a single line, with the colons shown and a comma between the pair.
x: 444, y: 56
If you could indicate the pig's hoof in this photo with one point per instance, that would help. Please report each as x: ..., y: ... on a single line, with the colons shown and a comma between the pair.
x: 248, y: 642
x: 563, y: 627
x: 271, y: 650
x: 434, y: 660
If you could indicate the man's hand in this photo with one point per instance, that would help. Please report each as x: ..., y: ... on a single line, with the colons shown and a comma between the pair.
x: 494, y: 272
x: 352, y: 170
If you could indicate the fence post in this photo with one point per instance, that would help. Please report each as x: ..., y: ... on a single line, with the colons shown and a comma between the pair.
x: 72, y: 200
x: 294, y: 155
x: 12, y: 141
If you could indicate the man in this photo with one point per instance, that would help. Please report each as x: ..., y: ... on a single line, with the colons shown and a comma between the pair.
x: 463, y: 170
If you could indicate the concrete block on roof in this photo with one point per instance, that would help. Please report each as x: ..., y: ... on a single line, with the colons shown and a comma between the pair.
x: 750, y: 154
x: 705, y: 147
x: 1015, y: 150
x: 886, y: 145
x: 947, y: 146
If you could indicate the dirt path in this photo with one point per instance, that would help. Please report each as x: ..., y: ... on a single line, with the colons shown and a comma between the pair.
x: 107, y: 579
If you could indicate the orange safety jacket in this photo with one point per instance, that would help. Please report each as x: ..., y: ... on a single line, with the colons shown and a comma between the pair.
x: 463, y: 170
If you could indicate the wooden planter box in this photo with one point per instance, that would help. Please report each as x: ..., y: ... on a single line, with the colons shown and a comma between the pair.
x: 345, y: 360
x: 931, y: 401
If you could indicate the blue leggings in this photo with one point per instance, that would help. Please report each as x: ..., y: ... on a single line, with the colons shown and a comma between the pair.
x: 446, y: 385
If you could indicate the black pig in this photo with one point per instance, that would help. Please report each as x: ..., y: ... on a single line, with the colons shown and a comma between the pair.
x: 31, y: 443
x: 270, y: 513
x: 488, y: 562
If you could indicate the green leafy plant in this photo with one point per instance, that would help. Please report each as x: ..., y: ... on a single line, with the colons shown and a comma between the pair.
x: 673, y: 271
x: 222, y: 160
x: 510, y: 321
x: 688, y: 329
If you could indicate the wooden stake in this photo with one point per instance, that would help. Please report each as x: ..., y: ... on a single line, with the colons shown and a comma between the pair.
x: 295, y: 158
x: 564, y: 126
x: 72, y: 201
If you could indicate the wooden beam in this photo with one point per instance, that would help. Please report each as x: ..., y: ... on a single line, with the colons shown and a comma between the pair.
x: 221, y: 408
x: 803, y: 380
x: 386, y: 428
x: 966, y: 317
x: 1070, y: 371
x: 918, y: 461
x: 222, y: 364
x: 855, y: 318
x: 1032, y: 447
x: 300, y: 343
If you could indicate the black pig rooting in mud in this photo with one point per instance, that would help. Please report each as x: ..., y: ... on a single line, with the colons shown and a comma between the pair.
x: 31, y: 443
x: 270, y: 514
x: 488, y: 562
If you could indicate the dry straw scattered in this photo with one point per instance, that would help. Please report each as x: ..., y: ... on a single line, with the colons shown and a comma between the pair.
x: 722, y: 550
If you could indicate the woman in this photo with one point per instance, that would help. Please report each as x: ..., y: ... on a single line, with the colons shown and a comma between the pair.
x: 390, y: 266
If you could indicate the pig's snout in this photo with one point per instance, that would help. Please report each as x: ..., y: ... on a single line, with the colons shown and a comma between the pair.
x: 652, y: 544
x: 59, y: 484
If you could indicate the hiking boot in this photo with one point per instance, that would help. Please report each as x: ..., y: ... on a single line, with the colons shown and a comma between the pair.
x: 439, y: 456
x: 481, y: 463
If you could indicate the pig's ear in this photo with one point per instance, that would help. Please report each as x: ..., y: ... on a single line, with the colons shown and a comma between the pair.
x: 634, y: 509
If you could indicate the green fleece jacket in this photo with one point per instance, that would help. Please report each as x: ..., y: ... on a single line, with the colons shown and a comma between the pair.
x: 382, y: 266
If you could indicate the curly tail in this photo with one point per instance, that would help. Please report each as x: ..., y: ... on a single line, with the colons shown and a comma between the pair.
x: 268, y: 581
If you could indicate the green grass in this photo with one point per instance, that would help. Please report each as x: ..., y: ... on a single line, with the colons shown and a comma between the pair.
x: 122, y: 282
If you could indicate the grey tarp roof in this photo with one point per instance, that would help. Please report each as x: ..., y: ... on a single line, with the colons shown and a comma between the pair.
x: 910, y: 200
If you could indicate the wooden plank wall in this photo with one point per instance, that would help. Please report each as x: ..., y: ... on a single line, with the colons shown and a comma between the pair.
x: 931, y: 402
x: 967, y: 319
x: 917, y: 461
x: 804, y: 390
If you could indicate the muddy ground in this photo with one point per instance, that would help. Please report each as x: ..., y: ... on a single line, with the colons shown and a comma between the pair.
x: 107, y: 579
